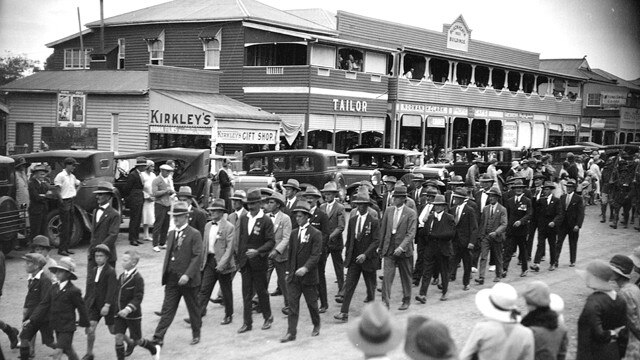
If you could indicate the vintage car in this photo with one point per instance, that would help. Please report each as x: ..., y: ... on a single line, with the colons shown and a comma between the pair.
x: 12, y: 217
x: 463, y: 158
x: 558, y: 154
x: 95, y: 166
x: 240, y: 179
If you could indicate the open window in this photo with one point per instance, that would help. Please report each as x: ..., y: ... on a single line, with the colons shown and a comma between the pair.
x: 211, y: 45
x: 121, y: 53
x: 155, y: 46
x: 278, y: 54
x: 350, y: 59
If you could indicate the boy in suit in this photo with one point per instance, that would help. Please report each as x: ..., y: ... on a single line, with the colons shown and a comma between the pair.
x: 549, y: 216
x: 59, y: 308
x: 280, y: 254
x: 128, y: 310
x: 39, y: 285
x: 335, y: 221
x: 493, y: 225
x: 519, y: 214
x: 305, y: 248
x: 571, y: 223
x: 105, y: 226
x: 99, y: 295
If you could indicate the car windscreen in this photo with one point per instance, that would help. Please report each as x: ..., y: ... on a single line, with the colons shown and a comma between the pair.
x: 256, y: 164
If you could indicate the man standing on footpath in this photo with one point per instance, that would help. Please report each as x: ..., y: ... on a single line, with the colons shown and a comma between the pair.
x: 162, y: 190
x: 493, y: 225
x: 38, y: 202
x: 335, y: 221
x: 68, y: 185
x: 134, y: 194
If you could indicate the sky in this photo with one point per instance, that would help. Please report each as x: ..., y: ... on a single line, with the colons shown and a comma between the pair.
x: 606, y: 31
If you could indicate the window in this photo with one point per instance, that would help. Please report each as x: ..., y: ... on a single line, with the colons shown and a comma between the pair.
x: 74, y: 60
x: 71, y: 108
x: 323, y: 56
x: 376, y: 62
x: 211, y: 47
x: 593, y: 100
x: 303, y: 163
x: 350, y: 59
x: 156, y: 49
x: 257, y: 165
x: 121, y: 47
x: 280, y: 54
x: 281, y: 164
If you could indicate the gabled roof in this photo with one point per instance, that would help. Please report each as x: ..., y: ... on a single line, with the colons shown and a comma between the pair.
x: 89, y: 81
x: 189, y: 11
x: 565, y: 66
x: 67, y: 38
x: 620, y: 81
x: 319, y: 16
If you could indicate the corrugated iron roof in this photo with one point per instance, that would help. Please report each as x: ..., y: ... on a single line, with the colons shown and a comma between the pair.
x: 213, y: 10
x: 319, y: 16
x: 619, y: 80
x: 563, y: 66
x: 89, y: 81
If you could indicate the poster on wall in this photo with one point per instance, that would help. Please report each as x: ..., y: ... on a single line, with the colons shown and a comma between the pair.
x: 71, y: 109
x: 509, y: 134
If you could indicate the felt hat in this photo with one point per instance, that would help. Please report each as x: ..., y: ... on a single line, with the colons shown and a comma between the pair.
x: 180, y: 208
x: 278, y: 197
x: 399, y: 190
x: 39, y: 167
x: 537, y: 294
x: 635, y: 257
x: 292, y: 183
x: 597, y: 275
x: 42, y: 241
x: 253, y: 196
x: 439, y: 200
x: 389, y: 178
x: 429, y: 192
x: 301, y: 206
x: 240, y: 195
x: 517, y: 183
x: 536, y: 153
x: 621, y: 265
x: 418, y: 177
x: 166, y: 167
x: 70, y: 161
x: 460, y: 193
x: 498, y: 303
x: 35, y: 258
x: 525, y: 161
x: 104, y: 187
x: 375, y: 333
x: 141, y: 161
x: 217, y: 204
x: 20, y: 161
x: 494, y: 191
x: 428, y: 339
x: 572, y: 183
x: 456, y: 180
x: 361, y: 198
x: 331, y: 186
x: 549, y: 184
x: 312, y: 191
x: 65, y: 263
x: 485, y: 178
x: 570, y: 156
x: 185, y: 191
x: 103, y: 249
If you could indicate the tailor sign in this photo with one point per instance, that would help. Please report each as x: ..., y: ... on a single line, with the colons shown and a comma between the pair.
x: 458, y: 35
x: 349, y: 105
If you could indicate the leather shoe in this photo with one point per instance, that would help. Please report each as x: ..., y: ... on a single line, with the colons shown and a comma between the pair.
x: 422, y: 299
x: 217, y: 300
x: 194, y: 341
x: 158, y: 313
x: 435, y: 281
x: 466, y: 288
x: 267, y: 323
x: 572, y: 265
x: 322, y: 310
x: 71, y: 252
x: 88, y: 357
x: 404, y: 306
x: 497, y: 279
x: 63, y: 253
x: 129, y: 350
x: 227, y: 320
x: 339, y: 299
x: 443, y: 297
x: 524, y: 273
x: 244, y: 328
x: 504, y: 274
x: 439, y: 286
x: 140, y: 242
x: 187, y: 320
x: 286, y: 310
x: 277, y: 292
x: 341, y: 316
x: 479, y: 281
x: 288, y: 337
x: 315, y: 331
x: 368, y: 300
x: 133, y: 243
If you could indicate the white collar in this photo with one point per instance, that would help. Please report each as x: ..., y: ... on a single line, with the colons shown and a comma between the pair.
x: 239, y: 212
x: 313, y: 209
x: 400, y: 208
x: 63, y: 284
x: 182, y: 227
x: 128, y: 273
x: 304, y: 227
x: 37, y: 275
x: 438, y: 215
x: 258, y: 215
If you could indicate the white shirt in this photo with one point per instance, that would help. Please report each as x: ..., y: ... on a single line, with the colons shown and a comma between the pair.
x: 423, y: 215
x: 396, y: 218
x: 302, y: 232
x: 360, y: 222
x: 68, y: 183
x: 492, y: 209
x: 100, y: 211
x: 549, y: 199
x: 568, y: 198
x: 252, y: 220
x: 483, y: 199
x: 438, y: 215
x: 518, y: 197
x: 36, y: 276
x: 128, y: 273
x: 459, y: 210
x: 213, y: 234
x: 98, y: 272
x: 291, y: 202
x: 63, y: 284
x: 330, y: 206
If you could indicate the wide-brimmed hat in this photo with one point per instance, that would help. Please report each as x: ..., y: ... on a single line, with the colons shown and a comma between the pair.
x: 456, y: 180
x: 65, y: 263
x: 517, y: 183
x: 572, y: 183
x: 494, y: 191
x: 180, y: 208
x: 301, y: 206
x: 536, y: 153
x: 217, y: 204
x: 621, y: 265
x: 331, y: 186
x: 549, y: 184
x: 166, y: 167
x: 399, y: 190
x: 70, y: 161
x: 389, y: 178
x: 240, y: 195
x: 42, y: 241
x: 39, y: 167
x: 278, y: 197
x: 150, y: 162
x: 570, y: 155
x: 428, y: 339
x: 498, y: 303
x: 36, y: 258
x: 185, y: 191
x: 439, y: 200
x: 104, y: 187
x: 141, y: 161
x: 312, y: 191
x: 556, y: 303
x: 20, y: 161
x: 375, y: 333
x: 486, y: 178
x: 597, y: 275
x: 292, y: 183
x: 460, y: 193
x: 253, y: 196
x: 361, y: 198
x: 635, y: 257
x: 418, y: 177
x: 433, y: 182
x: 103, y: 249
x: 537, y: 294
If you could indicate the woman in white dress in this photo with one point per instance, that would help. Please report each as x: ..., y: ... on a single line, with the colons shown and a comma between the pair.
x: 148, y: 212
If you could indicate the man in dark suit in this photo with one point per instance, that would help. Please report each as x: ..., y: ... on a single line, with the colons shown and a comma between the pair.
x: 466, y: 236
x: 572, y: 170
x: 134, y: 197
x: 387, y: 197
x: 255, y: 236
x: 536, y: 194
x: 481, y: 197
x: 319, y: 221
x: 416, y: 182
x: 493, y: 225
x: 440, y: 230
x: 398, y: 230
x: 571, y: 223
x: 99, y: 295
x: 426, y: 208
x: 38, y: 202
x: 519, y: 214
x: 549, y: 216
x: 305, y: 248
x: 291, y: 189
x: 181, y: 274
x: 105, y: 225
x: 336, y: 223
x: 198, y: 217
x: 363, y: 239
x: 238, y: 200
x: 456, y: 182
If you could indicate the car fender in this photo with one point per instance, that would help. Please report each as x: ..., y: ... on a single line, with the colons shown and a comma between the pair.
x: 86, y: 219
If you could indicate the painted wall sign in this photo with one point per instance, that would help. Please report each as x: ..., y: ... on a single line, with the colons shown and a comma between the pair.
x: 629, y: 118
x: 157, y: 117
x: 598, y: 123
x: 433, y: 109
x: 238, y: 136
x: 435, y: 122
x: 509, y: 134
x: 458, y: 35
x: 349, y: 105
x: 179, y: 130
x: 412, y: 108
x: 71, y: 109
x: 614, y: 99
x: 479, y: 113
x: 460, y: 111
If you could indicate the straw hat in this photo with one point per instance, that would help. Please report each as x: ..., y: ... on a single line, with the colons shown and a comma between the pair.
x: 218, y: 204
x: 597, y: 275
x: 331, y: 186
x: 180, y: 208
x: 389, y: 178
x: 278, y: 197
x: 361, y: 198
x: 621, y: 265
x: 428, y: 339
x: 498, y: 303
x: 166, y: 167
x: 240, y: 195
x: 312, y: 191
x: 301, y: 206
x: 375, y: 333
x: 439, y: 200
x: 66, y: 264
x: 104, y: 187
x: 39, y: 167
x: 399, y: 190
x: 184, y: 191
x: 141, y: 161
x: 456, y: 180
x: 486, y: 178
x: 292, y: 183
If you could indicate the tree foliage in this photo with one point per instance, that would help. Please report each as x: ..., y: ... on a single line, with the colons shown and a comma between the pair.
x: 13, y: 67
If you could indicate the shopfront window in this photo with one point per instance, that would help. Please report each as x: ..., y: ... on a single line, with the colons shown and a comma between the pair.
x: 460, y: 132
x: 623, y: 138
x: 478, y: 130
x: 495, y: 133
x: 346, y: 140
x: 569, y: 135
x: 410, y: 131
x: 321, y: 139
x: 555, y: 135
x: 609, y: 138
x: 281, y: 54
x: 372, y: 139
x: 351, y: 59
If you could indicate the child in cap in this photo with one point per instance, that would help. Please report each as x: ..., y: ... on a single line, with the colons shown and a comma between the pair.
x: 41, y: 245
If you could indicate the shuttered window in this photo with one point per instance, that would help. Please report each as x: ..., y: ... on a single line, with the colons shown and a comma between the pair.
x: 323, y: 56
x: 376, y: 63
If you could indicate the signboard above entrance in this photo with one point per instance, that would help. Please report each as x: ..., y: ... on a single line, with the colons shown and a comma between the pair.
x: 239, y: 136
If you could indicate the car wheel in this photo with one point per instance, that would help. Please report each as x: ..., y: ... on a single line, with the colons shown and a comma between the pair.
x: 54, y: 227
x: 10, y: 223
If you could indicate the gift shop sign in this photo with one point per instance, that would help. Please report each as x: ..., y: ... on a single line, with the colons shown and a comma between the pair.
x: 241, y: 136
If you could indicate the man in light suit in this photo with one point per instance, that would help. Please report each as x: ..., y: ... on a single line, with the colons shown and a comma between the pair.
x: 493, y: 225
x: 336, y: 223
x: 363, y: 239
x: 218, y: 262
x: 398, y: 228
x: 519, y: 214
x: 134, y: 197
x: 161, y: 189
x: 571, y: 223
x: 181, y: 275
x: 282, y: 231
x: 549, y: 216
x: 305, y: 248
x: 105, y: 225
x: 466, y: 235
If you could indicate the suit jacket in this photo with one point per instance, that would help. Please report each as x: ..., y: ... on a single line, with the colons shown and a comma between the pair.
x: 36, y: 292
x: 233, y: 218
x: 477, y: 197
x: 497, y: 223
x: 546, y: 213
x: 133, y: 188
x: 305, y: 253
x: 160, y: 190
x: 260, y: 238
x: 369, y: 239
x: 519, y: 211
x: 37, y: 203
x: 105, y: 231
x: 223, y: 246
x: 59, y: 309
x: 511, y: 193
x: 102, y: 292
x: 574, y: 213
x: 188, y: 257
x: 198, y: 219
x: 467, y: 225
x: 288, y: 210
x: 129, y: 294
x: 440, y: 234
x: 320, y: 221
x: 405, y: 233
x: 336, y: 223
x: 282, y: 232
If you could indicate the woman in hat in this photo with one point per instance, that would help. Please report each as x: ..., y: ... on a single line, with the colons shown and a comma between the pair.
x: 622, y: 267
x: 428, y: 339
x: 500, y: 336
x: 148, y: 210
x: 603, y: 315
x: 375, y: 333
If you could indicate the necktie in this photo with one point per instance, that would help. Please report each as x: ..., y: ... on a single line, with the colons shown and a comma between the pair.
x: 396, y: 219
x: 179, y: 237
x: 214, y: 223
x: 300, y: 235
x: 568, y: 201
x: 30, y: 282
x: 272, y: 216
x: 491, y: 214
x: 458, y: 213
x: 358, y: 227
x: 329, y: 209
